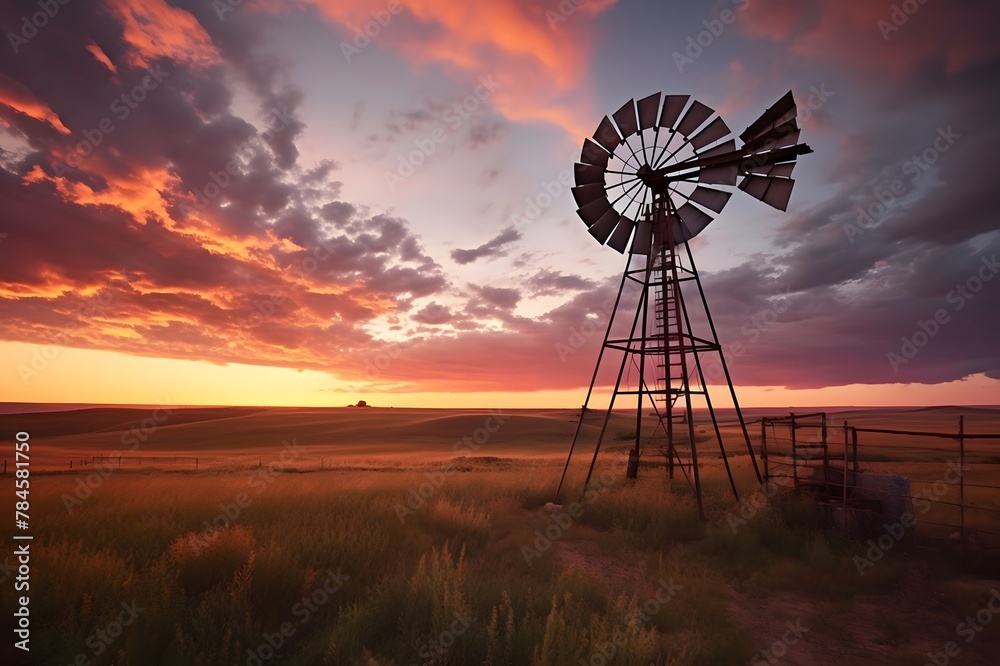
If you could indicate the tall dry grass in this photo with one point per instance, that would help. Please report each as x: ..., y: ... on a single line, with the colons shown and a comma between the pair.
x: 208, y: 600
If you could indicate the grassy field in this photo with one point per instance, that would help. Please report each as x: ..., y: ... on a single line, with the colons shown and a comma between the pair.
x: 408, y: 550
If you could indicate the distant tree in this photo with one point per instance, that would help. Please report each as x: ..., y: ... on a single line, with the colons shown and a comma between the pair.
x: 362, y: 403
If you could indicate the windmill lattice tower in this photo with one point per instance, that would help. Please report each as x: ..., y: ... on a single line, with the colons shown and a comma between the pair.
x: 649, y: 181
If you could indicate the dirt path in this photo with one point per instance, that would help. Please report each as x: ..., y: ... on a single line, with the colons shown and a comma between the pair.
x: 897, y: 627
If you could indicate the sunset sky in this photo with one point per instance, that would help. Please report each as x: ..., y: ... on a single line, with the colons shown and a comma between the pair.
x: 257, y: 203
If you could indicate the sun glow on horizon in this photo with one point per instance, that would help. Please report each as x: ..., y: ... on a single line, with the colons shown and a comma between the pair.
x: 50, y: 374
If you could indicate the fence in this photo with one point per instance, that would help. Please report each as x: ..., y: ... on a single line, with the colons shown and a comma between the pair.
x: 954, y: 477
x: 168, y: 462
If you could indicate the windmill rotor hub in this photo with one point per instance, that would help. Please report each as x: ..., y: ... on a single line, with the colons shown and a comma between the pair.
x: 678, y: 148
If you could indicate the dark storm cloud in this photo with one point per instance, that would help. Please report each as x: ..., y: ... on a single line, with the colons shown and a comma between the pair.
x: 905, y: 236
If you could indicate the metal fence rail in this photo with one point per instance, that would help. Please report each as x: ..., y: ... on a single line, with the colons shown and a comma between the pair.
x: 783, y: 459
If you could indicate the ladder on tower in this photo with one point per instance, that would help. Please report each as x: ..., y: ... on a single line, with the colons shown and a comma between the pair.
x: 669, y: 376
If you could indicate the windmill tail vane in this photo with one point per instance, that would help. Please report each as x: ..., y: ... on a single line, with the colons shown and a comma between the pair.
x: 652, y: 177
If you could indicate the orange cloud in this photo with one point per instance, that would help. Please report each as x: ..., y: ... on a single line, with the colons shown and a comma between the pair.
x: 101, y: 56
x: 538, y: 55
x: 19, y: 98
x: 155, y: 30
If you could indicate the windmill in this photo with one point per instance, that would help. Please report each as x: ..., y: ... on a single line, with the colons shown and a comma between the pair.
x: 653, y: 176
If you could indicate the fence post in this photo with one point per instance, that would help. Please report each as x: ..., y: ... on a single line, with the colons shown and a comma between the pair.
x: 845, y: 465
x: 763, y: 446
x: 854, y: 445
x: 961, y: 479
x: 795, y: 457
x: 826, y: 462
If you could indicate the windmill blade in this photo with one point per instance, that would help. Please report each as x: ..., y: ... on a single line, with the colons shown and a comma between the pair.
x: 775, y: 192
x: 593, y: 211
x: 605, y: 224
x: 587, y: 174
x: 693, y: 221
x: 607, y: 136
x: 722, y: 148
x: 775, y: 170
x: 779, y: 155
x: 780, y: 112
x: 648, y: 106
x: 781, y: 136
x: 695, y: 116
x: 623, y: 232
x: 593, y: 154
x: 672, y: 107
x: 642, y: 242
x: 625, y: 119
x: 720, y: 175
x: 714, y: 131
x: 585, y: 194
x: 704, y: 158
x: 712, y: 199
